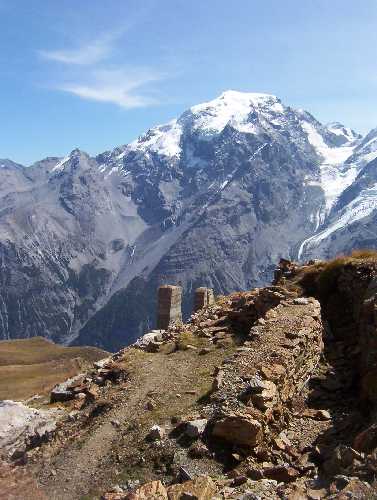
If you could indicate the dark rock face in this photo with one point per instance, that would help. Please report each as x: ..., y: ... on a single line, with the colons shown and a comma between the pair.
x: 213, y: 199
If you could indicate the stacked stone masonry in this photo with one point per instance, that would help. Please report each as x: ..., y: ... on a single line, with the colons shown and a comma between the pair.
x: 203, y: 297
x: 169, y: 306
x: 271, y: 368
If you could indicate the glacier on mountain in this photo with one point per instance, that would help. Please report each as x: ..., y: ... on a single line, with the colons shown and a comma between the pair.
x: 213, y: 198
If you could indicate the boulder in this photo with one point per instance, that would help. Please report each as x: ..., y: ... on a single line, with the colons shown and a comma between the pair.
x: 301, y: 301
x: 356, y: 489
x: 156, y: 433
x: 239, y: 429
x: 154, y: 490
x: 261, y: 393
x: 316, y: 414
x: 201, y: 488
x: 153, y: 346
x: 198, y: 450
x: 266, y: 397
x: 195, y: 428
x: 113, y: 372
x: 281, y: 473
x: 65, y: 391
x: 22, y: 427
x: 101, y: 363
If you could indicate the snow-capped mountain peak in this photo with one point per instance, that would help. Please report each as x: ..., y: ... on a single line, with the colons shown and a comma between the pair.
x: 231, y: 102
x: 163, y: 139
x: 345, y: 134
x: 232, y: 107
x: 207, y: 119
x: 213, y: 198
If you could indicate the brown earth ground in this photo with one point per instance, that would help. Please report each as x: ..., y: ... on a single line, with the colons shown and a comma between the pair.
x: 104, y: 454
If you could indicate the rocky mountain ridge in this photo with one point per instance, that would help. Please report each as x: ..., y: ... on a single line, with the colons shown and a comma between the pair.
x: 213, y: 198
x: 264, y: 394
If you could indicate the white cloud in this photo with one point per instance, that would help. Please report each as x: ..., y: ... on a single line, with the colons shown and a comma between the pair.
x: 120, y: 87
x: 97, y: 81
x: 85, y: 55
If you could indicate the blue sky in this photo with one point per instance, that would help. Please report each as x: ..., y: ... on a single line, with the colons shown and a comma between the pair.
x: 95, y: 74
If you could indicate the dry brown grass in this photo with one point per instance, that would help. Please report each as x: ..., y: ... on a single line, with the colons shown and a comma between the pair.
x: 186, y: 339
x: 34, y: 366
x: 320, y: 279
x: 40, y: 350
x: 364, y: 254
x: 327, y: 279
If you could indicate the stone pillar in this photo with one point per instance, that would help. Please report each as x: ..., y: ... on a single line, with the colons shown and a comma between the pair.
x: 203, y: 297
x: 169, y: 306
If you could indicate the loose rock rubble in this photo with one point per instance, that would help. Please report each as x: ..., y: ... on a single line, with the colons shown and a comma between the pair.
x: 84, y: 388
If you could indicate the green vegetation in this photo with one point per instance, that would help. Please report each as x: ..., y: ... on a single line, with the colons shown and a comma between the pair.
x: 187, y: 338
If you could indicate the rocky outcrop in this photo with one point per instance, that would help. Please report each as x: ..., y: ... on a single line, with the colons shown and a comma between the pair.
x: 262, y: 379
x: 347, y: 289
x: 22, y: 427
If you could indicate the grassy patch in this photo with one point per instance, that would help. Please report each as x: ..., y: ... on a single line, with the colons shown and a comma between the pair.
x: 41, y: 350
x: 364, y: 254
x: 34, y: 366
x: 187, y: 338
x: 320, y: 279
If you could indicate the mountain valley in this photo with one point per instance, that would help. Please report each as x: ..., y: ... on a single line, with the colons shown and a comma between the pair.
x: 213, y: 198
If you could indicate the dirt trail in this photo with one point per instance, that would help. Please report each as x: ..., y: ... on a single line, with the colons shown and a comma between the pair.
x: 83, y: 468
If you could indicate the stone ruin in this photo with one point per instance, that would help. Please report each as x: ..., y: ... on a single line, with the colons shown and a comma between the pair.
x: 169, y: 308
x: 203, y: 297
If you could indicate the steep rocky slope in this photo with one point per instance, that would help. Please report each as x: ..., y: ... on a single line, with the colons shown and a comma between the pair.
x: 213, y: 198
x: 61, y: 236
x: 265, y: 394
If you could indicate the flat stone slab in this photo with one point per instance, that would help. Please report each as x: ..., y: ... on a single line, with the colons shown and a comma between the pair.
x: 61, y: 392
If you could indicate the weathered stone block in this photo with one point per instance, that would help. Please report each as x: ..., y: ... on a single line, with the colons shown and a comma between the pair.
x: 169, y: 310
x: 239, y: 429
x: 203, y: 297
x: 201, y: 488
